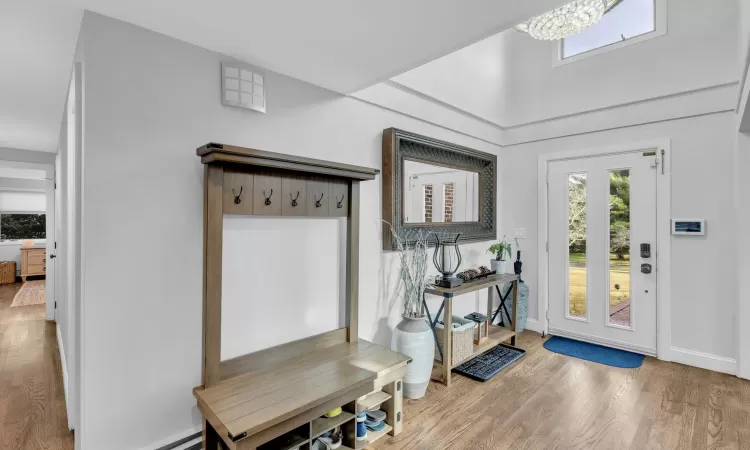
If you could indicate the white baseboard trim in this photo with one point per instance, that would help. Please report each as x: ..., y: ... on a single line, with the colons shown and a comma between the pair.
x: 534, y: 325
x: 64, y: 366
x: 169, y: 441
x: 704, y: 360
x: 603, y: 341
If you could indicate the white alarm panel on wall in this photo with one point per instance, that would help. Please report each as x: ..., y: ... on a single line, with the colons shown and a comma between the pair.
x: 689, y: 227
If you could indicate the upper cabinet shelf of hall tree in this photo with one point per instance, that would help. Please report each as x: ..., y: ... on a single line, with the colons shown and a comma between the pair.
x: 264, y: 183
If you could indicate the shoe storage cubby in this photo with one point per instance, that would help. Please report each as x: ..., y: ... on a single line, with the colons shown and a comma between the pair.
x: 298, y: 438
x: 386, y: 403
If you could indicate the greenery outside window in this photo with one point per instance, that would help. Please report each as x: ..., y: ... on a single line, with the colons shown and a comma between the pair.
x: 22, y: 226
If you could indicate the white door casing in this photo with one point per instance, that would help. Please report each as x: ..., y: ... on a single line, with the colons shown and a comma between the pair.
x: 596, y: 326
x: 50, y: 237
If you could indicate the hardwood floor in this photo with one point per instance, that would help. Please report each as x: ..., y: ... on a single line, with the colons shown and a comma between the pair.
x: 550, y: 401
x: 32, y: 401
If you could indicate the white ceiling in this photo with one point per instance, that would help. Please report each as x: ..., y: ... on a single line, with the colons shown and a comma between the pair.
x: 473, y: 79
x: 37, y: 44
x: 342, y: 45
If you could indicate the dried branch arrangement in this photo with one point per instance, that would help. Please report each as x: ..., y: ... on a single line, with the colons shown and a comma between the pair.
x: 413, y: 270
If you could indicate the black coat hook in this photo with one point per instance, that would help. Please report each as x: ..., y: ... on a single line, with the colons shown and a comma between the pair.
x: 317, y: 202
x: 268, y: 199
x: 237, y: 199
x: 294, y: 200
x: 340, y: 203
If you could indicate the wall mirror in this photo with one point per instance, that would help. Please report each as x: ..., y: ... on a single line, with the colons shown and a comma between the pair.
x: 438, y: 186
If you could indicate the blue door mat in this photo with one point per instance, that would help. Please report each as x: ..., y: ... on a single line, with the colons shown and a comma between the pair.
x: 593, y: 352
x: 490, y: 363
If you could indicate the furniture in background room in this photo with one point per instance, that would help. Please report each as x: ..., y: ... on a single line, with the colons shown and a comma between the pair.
x: 497, y: 334
x: 7, y: 272
x: 33, y: 262
x: 274, y: 398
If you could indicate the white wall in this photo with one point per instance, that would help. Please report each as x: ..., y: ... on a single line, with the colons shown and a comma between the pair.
x: 702, y: 292
x: 143, y: 201
x: 700, y: 50
x: 512, y: 79
x: 294, y: 291
x: 472, y: 79
x: 32, y: 202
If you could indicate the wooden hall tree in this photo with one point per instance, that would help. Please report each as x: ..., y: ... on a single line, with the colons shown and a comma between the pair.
x: 273, y: 398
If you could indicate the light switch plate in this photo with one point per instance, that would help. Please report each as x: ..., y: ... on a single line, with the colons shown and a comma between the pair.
x: 519, y: 233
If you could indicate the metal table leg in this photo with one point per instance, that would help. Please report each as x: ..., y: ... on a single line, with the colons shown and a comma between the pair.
x: 502, y: 306
x: 434, y: 323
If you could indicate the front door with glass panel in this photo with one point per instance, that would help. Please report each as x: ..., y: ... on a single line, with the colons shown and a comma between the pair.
x: 602, y: 250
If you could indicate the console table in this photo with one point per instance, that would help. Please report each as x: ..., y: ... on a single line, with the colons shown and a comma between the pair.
x: 442, y: 369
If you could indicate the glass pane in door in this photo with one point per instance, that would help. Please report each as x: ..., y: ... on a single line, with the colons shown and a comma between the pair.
x: 577, y: 295
x: 619, y: 248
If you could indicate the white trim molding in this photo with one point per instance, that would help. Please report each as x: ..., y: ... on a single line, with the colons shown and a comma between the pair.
x: 663, y: 249
x: 413, y: 103
x: 64, y: 367
x: 603, y: 341
x: 704, y: 360
x: 396, y: 98
x: 168, y: 441
x: 534, y: 325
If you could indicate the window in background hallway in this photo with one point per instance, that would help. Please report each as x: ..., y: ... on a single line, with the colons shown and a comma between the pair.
x: 22, y: 226
x: 629, y: 22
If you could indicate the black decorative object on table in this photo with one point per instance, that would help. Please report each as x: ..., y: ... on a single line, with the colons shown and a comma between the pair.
x: 475, y: 274
x: 443, y: 258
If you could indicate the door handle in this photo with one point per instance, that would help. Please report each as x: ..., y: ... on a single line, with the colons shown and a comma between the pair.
x: 52, y: 256
x: 646, y: 268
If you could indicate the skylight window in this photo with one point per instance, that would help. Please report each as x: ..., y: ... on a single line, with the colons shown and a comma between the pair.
x: 628, y: 22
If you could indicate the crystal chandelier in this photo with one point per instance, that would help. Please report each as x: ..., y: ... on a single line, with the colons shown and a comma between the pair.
x: 567, y: 20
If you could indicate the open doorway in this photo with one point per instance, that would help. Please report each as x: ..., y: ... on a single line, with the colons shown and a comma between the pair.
x: 27, y: 212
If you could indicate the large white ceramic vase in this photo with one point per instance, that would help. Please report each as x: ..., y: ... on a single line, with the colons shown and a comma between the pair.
x: 413, y: 337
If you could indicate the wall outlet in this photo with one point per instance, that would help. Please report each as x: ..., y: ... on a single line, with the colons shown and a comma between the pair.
x: 519, y: 233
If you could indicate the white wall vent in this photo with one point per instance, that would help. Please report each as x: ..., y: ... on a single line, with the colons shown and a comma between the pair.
x: 243, y: 86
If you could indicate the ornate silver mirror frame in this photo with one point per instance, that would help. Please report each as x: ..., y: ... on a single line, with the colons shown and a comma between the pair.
x: 398, y: 146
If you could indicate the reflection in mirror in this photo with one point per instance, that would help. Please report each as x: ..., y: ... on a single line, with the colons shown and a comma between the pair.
x: 441, y: 194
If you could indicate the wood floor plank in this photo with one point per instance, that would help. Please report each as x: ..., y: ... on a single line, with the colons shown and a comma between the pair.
x: 32, y: 402
x: 551, y: 401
